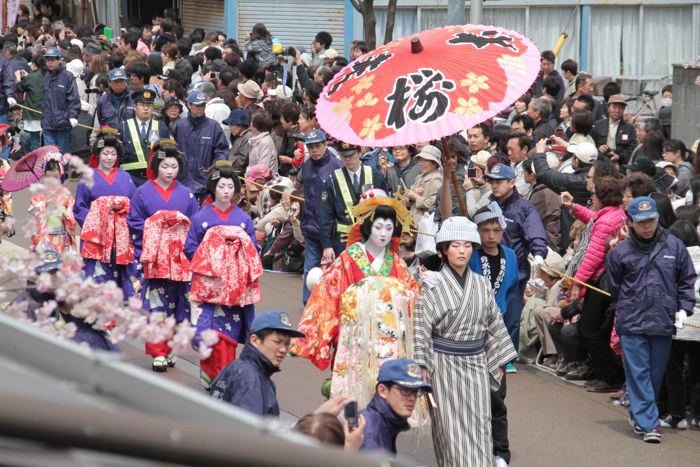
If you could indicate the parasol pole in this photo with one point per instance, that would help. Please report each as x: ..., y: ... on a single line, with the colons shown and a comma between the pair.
x: 453, y: 179
x: 416, y: 48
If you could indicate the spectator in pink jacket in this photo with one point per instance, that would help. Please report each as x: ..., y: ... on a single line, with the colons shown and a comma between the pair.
x: 596, y: 321
x: 262, y: 146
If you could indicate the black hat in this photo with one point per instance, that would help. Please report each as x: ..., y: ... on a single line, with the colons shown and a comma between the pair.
x: 172, y: 101
x: 642, y: 164
x: 345, y: 149
x: 143, y: 95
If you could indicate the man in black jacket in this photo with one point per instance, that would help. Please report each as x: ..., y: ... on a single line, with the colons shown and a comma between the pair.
x: 617, y: 137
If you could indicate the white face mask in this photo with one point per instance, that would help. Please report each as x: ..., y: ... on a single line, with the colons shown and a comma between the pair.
x: 666, y: 102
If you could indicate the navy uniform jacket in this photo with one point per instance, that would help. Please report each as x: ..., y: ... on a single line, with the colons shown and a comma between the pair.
x: 246, y: 383
x: 114, y: 115
x: 333, y: 211
x: 650, y: 287
x: 203, y: 142
x: 61, y: 100
x: 130, y: 160
x: 7, y: 84
x: 313, y: 176
x: 383, y: 426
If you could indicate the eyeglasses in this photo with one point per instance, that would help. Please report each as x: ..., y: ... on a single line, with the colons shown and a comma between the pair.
x: 408, y: 393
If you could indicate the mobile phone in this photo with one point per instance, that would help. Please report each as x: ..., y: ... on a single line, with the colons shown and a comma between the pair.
x: 214, y: 75
x: 108, y: 33
x: 550, y: 142
x: 351, y: 415
x: 471, y: 173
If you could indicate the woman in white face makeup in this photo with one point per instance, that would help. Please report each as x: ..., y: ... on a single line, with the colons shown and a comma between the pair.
x: 359, y: 314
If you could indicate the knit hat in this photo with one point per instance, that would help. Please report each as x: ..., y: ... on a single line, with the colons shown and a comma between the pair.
x: 458, y: 228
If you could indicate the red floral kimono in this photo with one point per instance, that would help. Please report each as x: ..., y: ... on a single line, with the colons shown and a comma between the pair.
x: 105, y: 229
x: 54, y: 223
x: 357, y: 318
x: 163, y: 256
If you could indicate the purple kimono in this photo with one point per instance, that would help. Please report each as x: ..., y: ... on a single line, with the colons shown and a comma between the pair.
x: 116, y: 183
x: 160, y: 295
x: 232, y: 321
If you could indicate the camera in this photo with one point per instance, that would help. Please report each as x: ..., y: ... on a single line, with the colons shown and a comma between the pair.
x: 289, y: 52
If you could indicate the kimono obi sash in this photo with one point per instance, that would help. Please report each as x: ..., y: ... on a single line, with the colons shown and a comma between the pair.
x: 461, y: 348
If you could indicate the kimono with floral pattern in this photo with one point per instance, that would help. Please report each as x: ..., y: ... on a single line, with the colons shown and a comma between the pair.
x: 357, y: 318
x: 54, y: 223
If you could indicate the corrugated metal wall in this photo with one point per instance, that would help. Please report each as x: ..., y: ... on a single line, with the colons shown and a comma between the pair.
x: 295, y: 23
x: 205, y: 14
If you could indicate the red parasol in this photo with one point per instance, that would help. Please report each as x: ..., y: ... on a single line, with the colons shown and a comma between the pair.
x: 29, y: 169
x: 428, y: 86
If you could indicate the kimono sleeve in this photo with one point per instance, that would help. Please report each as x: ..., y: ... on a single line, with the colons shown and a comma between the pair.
x: 83, y: 199
x: 250, y: 230
x: 320, y: 321
x: 194, y: 238
x: 426, y: 317
x: 499, y: 347
x: 137, y: 219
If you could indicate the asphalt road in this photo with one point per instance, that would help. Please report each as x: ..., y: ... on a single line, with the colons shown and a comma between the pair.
x: 552, y: 422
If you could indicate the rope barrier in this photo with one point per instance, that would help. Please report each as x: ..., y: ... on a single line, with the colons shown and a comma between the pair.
x: 41, y: 113
x: 576, y: 281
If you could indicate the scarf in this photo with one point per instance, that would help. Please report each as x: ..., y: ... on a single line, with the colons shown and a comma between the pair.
x: 164, y: 235
x: 105, y: 229
x: 646, y: 245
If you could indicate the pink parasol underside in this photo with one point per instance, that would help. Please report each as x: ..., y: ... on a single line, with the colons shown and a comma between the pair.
x: 29, y: 169
x: 463, y: 76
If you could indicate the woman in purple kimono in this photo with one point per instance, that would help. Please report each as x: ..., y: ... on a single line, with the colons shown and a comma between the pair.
x: 108, y: 180
x: 233, y: 322
x: 162, y: 192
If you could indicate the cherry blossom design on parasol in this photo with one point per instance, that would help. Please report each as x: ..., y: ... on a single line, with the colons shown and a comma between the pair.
x: 428, y: 86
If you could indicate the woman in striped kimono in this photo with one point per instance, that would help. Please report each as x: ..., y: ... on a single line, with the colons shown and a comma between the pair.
x: 461, y: 343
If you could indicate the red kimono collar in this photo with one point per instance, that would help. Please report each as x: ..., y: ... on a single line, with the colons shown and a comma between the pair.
x: 109, y: 177
x: 164, y: 193
x: 223, y: 215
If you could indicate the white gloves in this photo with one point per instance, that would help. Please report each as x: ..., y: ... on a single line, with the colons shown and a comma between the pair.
x: 85, y: 107
x: 681, y: 318
x: 73, y: 122
x: 539, y: 261
x: 11, y: 101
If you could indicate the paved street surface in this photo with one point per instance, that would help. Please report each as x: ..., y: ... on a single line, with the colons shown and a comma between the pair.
x: 552, y: 422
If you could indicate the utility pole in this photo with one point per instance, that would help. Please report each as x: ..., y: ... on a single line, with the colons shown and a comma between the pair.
x: 455, y: 12
x: 475, y: 16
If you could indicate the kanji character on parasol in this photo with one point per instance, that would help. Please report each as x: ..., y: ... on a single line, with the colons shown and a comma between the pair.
x: 159, y: 220
x: 360, y: 313
x: 428, y: 86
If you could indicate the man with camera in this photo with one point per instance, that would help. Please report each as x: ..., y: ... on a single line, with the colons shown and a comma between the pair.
x: 617, y: 137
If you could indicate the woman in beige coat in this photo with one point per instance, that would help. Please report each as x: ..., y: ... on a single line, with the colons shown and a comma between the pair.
x: 422, y: 194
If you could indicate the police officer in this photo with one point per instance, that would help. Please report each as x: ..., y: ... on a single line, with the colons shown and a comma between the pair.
x: 139, y: 133
x: 341, y: 192
x: 115, y: 105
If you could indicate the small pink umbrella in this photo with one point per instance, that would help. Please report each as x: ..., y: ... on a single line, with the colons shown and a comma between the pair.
x: 29, y: 169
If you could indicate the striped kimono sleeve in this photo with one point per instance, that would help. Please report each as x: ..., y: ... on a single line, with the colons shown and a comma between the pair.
x: 499, y: 347
x: 425, y: 318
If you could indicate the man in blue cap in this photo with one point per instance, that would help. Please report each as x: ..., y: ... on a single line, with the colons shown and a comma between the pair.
x: 314, y: 173
x: 61, y: 106
x: 651, y: 277
x: 202, y: 141
x: 399, y: 386
x: 115, y: 105
x: 524, y: 234
x: 247, y: 382
x: 238, y: 123
x: 140, y: 133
